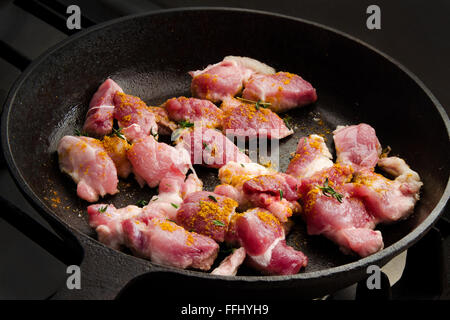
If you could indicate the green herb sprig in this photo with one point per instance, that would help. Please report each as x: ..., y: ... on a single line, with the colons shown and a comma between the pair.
x: 258, y: 104
x: 330, y: 192
x: 142, y: 203
x: 212, y: 198
x: 80, y: 133
x: 219, y: 223
x: 102, y: 209
x: 185, y: 124
x: 118, y: 132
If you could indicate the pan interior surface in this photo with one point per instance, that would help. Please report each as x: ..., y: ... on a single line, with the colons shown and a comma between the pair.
x: 149, y: 56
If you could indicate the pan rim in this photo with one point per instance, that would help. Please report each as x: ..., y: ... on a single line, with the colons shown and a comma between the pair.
x: 382, y: 256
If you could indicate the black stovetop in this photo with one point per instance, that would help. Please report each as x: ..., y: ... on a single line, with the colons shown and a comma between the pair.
x: 414, y: 32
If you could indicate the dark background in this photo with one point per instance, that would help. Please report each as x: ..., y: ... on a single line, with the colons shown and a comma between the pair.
x: 414, y: 32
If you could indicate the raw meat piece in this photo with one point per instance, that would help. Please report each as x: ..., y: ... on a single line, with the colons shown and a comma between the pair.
x: 165, y: 126
x: 206, y: 213
x: 194, y: 110
x: 262, y: 236
x: 164, y: 242
x: 107, y: 222
x: 217, y: 81
x: 172, y: 191
x: 247, y: 120
x: 250, y: 66
x: 117, y: 150
x: 283, y: 90
x: 275, y: 192
x: 233, y: 176
x: 99, y: 118
x: 152, y: 161
x: 226, y: 78
x: 341, y: 218
x: 87, y: 163
x: 131, y: 110
x: 210, y: 147
x: 230, y: 265
x: 388, y: 200
x: 357, y: 145
x: 312, y: 155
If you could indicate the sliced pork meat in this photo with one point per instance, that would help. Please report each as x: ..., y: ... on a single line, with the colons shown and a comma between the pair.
x: 206, y: 213
x: 250, y: 120
x: 275, y: 192
x: 253, y: 185
x: 172, y: 191
x: 152, y: 161
x: 226, y: 78
x: 388, y: 200
x: 165, y: 125
x: 130, y: 110
x: 210, y: 147
x: 311, y: 156
x: 250, y: 66
x: 334, y: 176
x: 194, y: 110
x: 107, y: 222
x: 282, y: 90
x: 99, y: 118
x: 330, y: 210
x: 357, y: 145
x: 88, y: 164
x: 229, y: 266
x: 345, y: 222
x: 262, y: 236
x: 117, y: 150
x: 233, y: 175
x: 166, y: 243
x: 217, y: 81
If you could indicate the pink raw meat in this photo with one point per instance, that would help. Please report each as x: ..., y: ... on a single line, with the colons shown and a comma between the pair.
x: 206, y: 213
x: 312, y: 155
x: 194, y: 110
x: 357, y: 145
x: 247, y: 120
x: 282, y: 90
x: 152, y: 161
x: 86, y: 161
x: 262, y: 236
x: 229, y: 266
x: 164, y: 242
x: 130, y: 110
x: 210, y: 147
x: 99, y: 118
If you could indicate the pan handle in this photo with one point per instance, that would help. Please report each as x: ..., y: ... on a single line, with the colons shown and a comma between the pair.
x: 103, y: 272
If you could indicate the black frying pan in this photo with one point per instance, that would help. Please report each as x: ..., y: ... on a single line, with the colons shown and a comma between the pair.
x: 149, y: 56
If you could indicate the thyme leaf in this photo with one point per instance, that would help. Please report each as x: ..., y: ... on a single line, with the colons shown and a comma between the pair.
x: 286, y: 121
x: 102, y: 209
x: 212, y: 198
x: 218, y: 223
x: 142, y: 203
x: 330, y: 192
x: 80, y: 133
x: 118, y: 132
x: 185, y: 124
x: 258, y: 104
